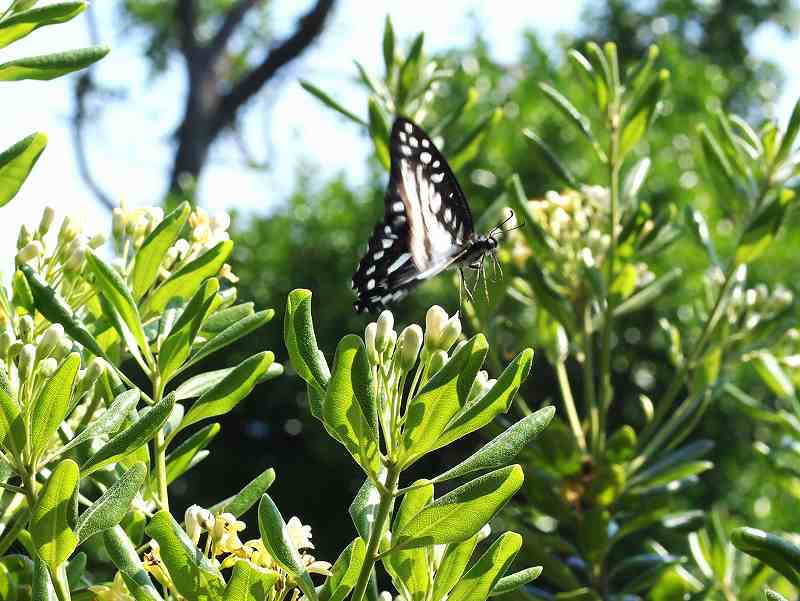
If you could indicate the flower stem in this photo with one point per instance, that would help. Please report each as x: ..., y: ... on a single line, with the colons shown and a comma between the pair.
x: 569, y: 404
x: 378, y: 528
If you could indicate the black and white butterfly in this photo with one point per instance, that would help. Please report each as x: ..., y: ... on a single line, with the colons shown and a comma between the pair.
x: 427, y: 226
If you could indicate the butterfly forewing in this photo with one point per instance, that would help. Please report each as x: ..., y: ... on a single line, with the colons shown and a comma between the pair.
x: 427, y: 221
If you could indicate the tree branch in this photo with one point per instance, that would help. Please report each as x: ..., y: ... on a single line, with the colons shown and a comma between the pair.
x: 308, y: 29
x: 83, y: 87
x: 229, y: 25
x: 186, y: 12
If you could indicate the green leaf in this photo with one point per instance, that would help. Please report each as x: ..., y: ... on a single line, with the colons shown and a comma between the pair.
x: 773, y: 375
x: 22, y: 23
x: 496, y: 401
x: 330, y: 102
x: 548, y: 159
x: 183, y: 283
x: 108, y: 511
x: 132, y: 437
x: 50, y: 66
x: 763, y: 228
x: 301, y: 343
x: 52, y: 403
x: 409, y: 71
x: 463, y: 511
x: 194, y: 576
x: 123, y: 555
x: 469, y: 146
x: 229, y: 335
x: 479, y: 581
x: 364, y: 508
x: 41, y: 586
x: 442, y: 397
x: 388, y: 46
x: 672, y: 461
x: 155, y: 246
x: 775, y: 551
x: 225, y: 318
x: 116, y: 292
x: 536, y: 237
x: 633, y: 181
x: 566, y: 108
x: 640, y: 115
x: 648, y: 294
x: 699, y: 230
x: 16, y: 163
x: 350, y: 408
x: 604, y: 84
x: 454, y: 562
x: 180, y: 460
x: 229, y: 392
x: 50, y: 304
x: 719, y: 168
x: 379, y: 132
x: 516, y: 580
x: 201, y: 383
x: 771, y: 595
x: 248, y: 496
x: 178, y: 344
x: 502, y: 449
x: 787, y: 142
x: 409, y: 567
x: 344, y: 573
x: 249, y: 582
x: 276, y: 540
x: 550, y: 299
x: 12, y: 427
x: 677, y: 472
x: 108, y: 422
x: 50, y: 526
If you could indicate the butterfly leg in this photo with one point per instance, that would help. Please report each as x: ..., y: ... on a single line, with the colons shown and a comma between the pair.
x: 498, y: 268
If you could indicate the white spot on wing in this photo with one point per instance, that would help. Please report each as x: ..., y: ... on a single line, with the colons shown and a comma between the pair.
x: 387, y: 243
x: 402, y: 136
x: 387, y: 229
x: 405, y: 150
x: 399, y: 262
x: 370, y: 284
x: 436, y: 164
x: 448, y: 215
x: 371, y: 270
x: 397, y: 207
x: 425, y: 157
x: 437, y: 178
x: 425, y: 143
x: 413, y: 142
x: 408, y: 127
x: 378, y: 255
x: 436, y: 202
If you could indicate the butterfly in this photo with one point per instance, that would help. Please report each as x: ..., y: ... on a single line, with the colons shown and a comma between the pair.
x: 427, y: 225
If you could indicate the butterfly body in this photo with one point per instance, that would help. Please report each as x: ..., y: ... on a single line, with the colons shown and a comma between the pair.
x: 427, y: 225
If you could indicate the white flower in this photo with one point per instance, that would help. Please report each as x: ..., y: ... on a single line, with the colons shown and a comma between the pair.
x: 299, y: 534
x: 198, y: 520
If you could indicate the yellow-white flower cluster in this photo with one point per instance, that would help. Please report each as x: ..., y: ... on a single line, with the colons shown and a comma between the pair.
x: 224, y: 548
x: 577, y: 225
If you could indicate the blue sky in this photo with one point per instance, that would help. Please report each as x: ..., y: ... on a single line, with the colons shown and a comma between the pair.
x: 286, y: 128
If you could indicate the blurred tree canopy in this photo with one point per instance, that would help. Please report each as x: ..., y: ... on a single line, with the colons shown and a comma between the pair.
x: 315, y: 240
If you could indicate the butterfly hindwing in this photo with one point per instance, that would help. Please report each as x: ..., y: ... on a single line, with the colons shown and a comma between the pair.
x: 427, y: 221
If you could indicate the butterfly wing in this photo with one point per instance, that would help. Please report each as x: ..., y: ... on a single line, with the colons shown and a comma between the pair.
x: 426, y: 226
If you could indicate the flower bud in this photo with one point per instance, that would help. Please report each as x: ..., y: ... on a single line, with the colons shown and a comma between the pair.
x: 182, y: 246
x: 47, y: 343
x: 484, y: 532
x: 435, y: 320
x: 30, y: 251
x: 118, y: 222
x: 6, y: 340
x: 450, y: 333
x: 169, y: 257
x: 46, y: 221
x: 385, y: 326
x: 94, y: 370
x: 25, y: 236
x: 438, y: 359
x: 369, y: 341
x: 408, y: 344
x: 479, y: 387
x: 25, y: 328
x: 227, y: 297
x: 390, y: 346
x: 75, y: 260
x: 97, y: 241
x: 69, y: 231
x: 62, y: 349
x: 48, y: 367
x: 26, y: 361
x: 15, y: 349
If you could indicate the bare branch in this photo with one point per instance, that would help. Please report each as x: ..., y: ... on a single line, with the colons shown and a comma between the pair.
x: 83, y: 87
x: 229, y: 25
x: 308, y: 29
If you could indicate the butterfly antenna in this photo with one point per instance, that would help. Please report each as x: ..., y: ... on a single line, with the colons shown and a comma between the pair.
x: 498, y: 229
